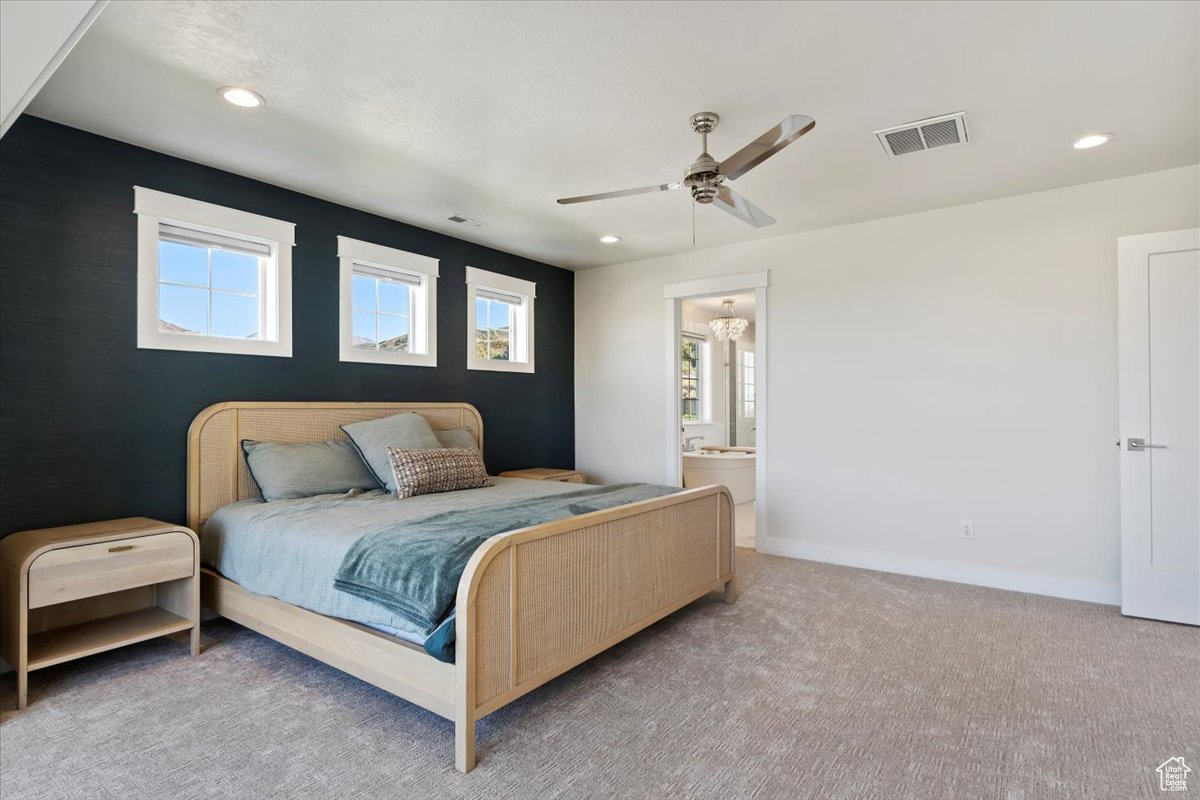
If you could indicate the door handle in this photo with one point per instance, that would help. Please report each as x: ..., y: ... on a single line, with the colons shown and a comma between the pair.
x: 1138, y: 445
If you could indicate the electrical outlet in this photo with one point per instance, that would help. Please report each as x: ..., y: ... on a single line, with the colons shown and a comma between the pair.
x: 966, y: 528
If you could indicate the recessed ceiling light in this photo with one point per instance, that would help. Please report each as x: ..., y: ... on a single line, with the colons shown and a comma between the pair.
x: 610, y: 239
x: 1092, y: 140
x: 242, y: 97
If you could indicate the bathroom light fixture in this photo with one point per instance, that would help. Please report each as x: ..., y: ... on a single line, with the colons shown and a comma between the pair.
x: 726, y: 325
x: 1092, y: 140
x: 610, y: 239
x: 241, y: 97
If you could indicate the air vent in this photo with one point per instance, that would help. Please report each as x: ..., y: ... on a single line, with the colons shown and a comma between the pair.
x: 461, y: 220
x: 935, y: 133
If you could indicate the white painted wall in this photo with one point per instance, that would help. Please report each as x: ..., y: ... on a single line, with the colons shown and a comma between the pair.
x: 958, y: 363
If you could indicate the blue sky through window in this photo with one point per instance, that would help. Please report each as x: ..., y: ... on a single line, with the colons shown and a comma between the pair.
x: 381, y: 313
x: 208, y: 291
x: 491, y: 314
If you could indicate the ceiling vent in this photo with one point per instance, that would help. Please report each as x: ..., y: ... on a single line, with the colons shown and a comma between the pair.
x: 935, y: 133
x: 461, y: 220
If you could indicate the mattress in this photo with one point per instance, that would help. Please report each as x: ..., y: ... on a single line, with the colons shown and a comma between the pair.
x: 292, y: 549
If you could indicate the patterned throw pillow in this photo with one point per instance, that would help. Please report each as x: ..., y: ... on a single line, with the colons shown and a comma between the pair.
x: 446, y: 469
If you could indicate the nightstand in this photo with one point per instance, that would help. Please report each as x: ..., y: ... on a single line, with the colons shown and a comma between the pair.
x: 73, y: 591
x: 546, y: 474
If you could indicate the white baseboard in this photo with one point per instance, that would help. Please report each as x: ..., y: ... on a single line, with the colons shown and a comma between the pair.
x: 953, y: 571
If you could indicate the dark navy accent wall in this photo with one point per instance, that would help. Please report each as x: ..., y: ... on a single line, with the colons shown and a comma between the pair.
x: 91, y: 427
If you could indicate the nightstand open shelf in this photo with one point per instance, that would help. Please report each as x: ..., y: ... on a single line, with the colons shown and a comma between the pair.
x: 87, y: 638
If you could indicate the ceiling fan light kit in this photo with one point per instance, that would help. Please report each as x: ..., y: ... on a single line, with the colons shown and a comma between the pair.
x: 706, y: 177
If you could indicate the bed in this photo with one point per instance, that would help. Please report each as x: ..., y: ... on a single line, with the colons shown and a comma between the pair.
x: 531, y: 604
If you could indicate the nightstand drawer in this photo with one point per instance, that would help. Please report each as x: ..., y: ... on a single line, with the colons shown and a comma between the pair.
x: 70, y: 573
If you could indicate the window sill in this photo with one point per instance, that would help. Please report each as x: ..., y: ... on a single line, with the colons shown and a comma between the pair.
x: 500, y: 366
x: 388, y: 359
x: 214, y: 344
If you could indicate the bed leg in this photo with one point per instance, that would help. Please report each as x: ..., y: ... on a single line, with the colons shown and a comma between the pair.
x: 464, y: 745
x: 730, y: 591
x: 464, y: 686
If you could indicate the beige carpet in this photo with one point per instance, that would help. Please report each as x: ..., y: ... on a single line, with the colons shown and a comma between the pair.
x: 822, y: 682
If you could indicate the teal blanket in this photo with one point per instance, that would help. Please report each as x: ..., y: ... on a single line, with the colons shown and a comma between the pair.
x: 413, y: 568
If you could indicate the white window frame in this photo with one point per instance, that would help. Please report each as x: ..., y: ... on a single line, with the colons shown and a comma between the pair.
x: 748, y: 377
x: 152, y: 208
x: 422, y: 309
x: 521, y: 339
x: 703, y: 356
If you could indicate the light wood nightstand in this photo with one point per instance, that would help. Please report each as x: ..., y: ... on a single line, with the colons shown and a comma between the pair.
x: 73, y: 591
x: 546, y: 474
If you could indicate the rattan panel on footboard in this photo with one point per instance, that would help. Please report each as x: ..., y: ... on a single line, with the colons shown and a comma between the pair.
x: 217, y: 471
x: 548, y: 602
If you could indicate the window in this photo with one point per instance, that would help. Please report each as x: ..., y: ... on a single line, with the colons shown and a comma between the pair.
x: 499, y: 322
x: 493, y: 324
x: 691, y: 354
x: 212, y: 279
x: 388, y: 305
x: 747, y: 357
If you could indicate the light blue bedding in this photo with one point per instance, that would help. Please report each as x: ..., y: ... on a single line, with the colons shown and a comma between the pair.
x: 413, y: 568
x: 292, y: 549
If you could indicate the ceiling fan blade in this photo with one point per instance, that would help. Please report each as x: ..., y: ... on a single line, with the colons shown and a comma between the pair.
x: 767, y: 145
x: 730, y: 201
x: 587, y: 198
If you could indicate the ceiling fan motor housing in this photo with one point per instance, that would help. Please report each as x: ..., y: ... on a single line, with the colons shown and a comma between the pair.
x: 703, y: 178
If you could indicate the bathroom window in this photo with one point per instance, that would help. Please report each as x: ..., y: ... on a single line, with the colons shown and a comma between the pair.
x: 691, y: 357
x: 388, y: 305
x: 499, y: 322
x: 212, y: 279
x: 747, y: 358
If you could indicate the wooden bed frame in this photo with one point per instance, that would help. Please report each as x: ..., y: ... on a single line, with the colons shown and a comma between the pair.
x: 532, y: 603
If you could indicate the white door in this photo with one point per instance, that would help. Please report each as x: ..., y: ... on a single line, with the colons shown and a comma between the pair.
x: 1159, y: 344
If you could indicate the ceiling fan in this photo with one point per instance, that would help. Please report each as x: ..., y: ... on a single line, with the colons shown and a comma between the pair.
x: 706, y: 176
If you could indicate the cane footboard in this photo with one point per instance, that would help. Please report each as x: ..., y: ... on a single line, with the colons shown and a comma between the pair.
x: 536, y: 602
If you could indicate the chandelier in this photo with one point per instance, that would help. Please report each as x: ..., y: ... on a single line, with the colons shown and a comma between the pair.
x: 726, y: 325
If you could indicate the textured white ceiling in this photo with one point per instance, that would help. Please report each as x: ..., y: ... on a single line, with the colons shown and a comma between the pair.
x: 493, y: 110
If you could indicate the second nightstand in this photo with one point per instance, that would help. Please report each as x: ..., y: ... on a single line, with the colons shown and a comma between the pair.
x: 546, y: 474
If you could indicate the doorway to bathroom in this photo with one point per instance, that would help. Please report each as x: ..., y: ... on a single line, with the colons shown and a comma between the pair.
x: 716, y: 384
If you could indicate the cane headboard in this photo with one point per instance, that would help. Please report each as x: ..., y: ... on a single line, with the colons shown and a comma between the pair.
x: 217, y: 472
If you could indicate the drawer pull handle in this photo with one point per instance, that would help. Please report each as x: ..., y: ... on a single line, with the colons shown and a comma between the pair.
x: 120, y: 548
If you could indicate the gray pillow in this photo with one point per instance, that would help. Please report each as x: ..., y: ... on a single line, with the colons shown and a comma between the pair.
x: 458, y: 438
x: 303, y: 469
x: 406, y: 431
